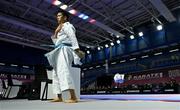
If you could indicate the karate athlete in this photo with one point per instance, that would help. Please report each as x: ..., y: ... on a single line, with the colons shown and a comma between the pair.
x: 66, y: 51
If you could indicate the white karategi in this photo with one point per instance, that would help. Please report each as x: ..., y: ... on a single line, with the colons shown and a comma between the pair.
x: 61, y: 58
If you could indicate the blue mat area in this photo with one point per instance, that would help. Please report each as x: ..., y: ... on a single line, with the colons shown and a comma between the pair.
x: 152, y: 97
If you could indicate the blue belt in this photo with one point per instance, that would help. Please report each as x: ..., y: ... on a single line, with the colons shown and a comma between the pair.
x: 63, y: 44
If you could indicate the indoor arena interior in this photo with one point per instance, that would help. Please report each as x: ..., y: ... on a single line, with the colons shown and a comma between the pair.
x: 89, y: 54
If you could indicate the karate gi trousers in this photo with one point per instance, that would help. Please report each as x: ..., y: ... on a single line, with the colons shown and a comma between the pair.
x: 61, y: 59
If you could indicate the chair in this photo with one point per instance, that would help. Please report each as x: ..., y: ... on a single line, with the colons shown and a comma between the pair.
x: 45, y: 85
x: 4, y: 88
x: 9, y: 87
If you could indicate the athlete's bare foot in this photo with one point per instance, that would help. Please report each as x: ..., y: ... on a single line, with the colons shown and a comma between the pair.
x: 71, y: 101
x: 56, y: 100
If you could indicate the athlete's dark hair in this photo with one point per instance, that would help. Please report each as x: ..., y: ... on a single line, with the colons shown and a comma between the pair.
x: 64, y: 13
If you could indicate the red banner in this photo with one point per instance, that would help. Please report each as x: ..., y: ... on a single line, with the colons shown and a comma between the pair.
x: 153, y: 76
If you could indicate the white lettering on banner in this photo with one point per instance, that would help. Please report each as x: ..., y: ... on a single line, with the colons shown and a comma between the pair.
x: 174, y: 73
x: 129, y: 77
x: 101, y: 91
x: 133, y: 91
x: 145, y: 76
x: 19, y: 76
x: 14, y: 76
x: 3, y: 76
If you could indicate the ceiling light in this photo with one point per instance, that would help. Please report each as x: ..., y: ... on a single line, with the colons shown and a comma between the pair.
x: 13, y: 65
x: 106, y: 46
x: 98, y: 66
x: 140, y: 34
x: 158, y: 53
x: 85, y: 69
x: 113, y: 63
x: 2, y: 63
x: 112, y: 43
x: 73, y: 11
x: 122, y: 61
x: 99, y: 48
x: 81, y: 15
x: 64, y: 7
x: 145, y: 56
x: 85, y: 17
x: 25, y: 66
x: 132, y: 36
x: 174, y: 50
x: 159, y: 27
x: 88, y: 52
x: 92, y: 21
x: 118, y: 41
x: 56, y: 2
x: 132, y: 59
x: 90, y: 67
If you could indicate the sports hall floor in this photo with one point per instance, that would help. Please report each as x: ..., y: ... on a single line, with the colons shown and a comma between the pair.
x: 100, y: 102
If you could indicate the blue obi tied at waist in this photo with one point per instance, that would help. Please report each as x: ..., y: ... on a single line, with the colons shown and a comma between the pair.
x: 62, y: 44
x: 59, y: 45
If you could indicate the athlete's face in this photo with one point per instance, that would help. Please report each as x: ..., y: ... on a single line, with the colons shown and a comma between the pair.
x: 60, y: 18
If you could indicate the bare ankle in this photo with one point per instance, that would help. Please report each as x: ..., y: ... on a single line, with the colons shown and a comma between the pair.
x: 73, y: 95
x: 59, y: 96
